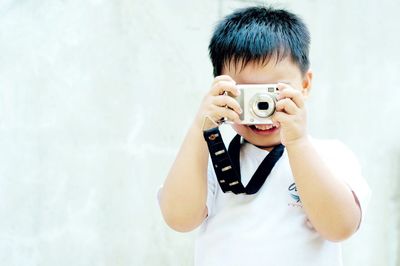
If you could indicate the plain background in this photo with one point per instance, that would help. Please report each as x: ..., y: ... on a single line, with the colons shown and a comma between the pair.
x: 96, y: 97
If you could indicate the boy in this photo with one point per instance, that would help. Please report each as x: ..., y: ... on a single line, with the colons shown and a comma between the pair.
x: 313, y: 197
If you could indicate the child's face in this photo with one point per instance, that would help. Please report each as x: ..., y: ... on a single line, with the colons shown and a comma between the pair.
x: 254, y: 73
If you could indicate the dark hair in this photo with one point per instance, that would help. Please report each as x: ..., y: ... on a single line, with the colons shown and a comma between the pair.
x: 259, y: 34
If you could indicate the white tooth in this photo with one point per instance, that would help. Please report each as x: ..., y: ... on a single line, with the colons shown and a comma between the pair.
x: 264, y: 127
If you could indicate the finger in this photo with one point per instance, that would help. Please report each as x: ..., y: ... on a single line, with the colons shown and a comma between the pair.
x: 228, y: 113
x: 282, y: 86
x: 281, y: 117
x: 296, y: 96
x: 223, y: 78
x: 224, y: 100
x: 287, y: 105
x: 224, y: 86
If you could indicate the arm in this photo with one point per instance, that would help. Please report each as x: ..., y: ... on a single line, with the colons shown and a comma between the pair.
x: 184, y: 194
x: 327, y: 200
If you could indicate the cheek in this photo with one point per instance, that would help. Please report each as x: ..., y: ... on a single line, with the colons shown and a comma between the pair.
x: 240, y: 129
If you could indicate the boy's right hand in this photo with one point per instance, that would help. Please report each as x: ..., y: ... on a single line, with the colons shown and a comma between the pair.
x: 217, y: 105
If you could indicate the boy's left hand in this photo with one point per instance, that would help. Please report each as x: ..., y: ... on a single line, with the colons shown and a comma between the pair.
x: 291, y: 115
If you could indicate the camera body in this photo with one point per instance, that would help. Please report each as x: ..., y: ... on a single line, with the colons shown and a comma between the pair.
x: 258, y: 102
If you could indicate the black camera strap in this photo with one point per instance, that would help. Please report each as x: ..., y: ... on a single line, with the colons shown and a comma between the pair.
x: 227, y: 163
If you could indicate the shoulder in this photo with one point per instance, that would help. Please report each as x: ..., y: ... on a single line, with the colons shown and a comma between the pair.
x: 331, y: 144
x: 341, y: 160
x: 344, y: 164
x: 332, y: 149
x: 337, y: 156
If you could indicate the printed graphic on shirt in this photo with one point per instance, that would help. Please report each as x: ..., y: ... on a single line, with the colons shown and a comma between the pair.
x: 296, y: 201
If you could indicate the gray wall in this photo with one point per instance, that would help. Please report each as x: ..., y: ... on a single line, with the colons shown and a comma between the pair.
x: 95, y: 98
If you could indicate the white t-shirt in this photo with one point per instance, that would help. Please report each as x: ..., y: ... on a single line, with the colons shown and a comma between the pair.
x: 271, y: 227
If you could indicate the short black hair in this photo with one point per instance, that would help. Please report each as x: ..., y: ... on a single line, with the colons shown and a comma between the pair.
x: 259, y: 34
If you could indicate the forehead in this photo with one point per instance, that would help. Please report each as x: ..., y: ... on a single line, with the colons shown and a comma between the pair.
x: 258, y: 72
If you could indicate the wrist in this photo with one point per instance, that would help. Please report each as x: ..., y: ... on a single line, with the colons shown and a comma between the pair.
x: 299, y: 143
x: 204, y: 122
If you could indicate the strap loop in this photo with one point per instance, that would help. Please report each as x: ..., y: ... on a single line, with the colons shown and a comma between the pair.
x: 226, y: 163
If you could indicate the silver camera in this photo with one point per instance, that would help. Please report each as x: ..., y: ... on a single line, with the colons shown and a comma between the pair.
x: 258, y: 103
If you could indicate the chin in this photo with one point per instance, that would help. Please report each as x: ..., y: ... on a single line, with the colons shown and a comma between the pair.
x: 259, y: 137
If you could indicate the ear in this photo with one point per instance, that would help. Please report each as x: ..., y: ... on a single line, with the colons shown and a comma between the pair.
x: 307, y: 82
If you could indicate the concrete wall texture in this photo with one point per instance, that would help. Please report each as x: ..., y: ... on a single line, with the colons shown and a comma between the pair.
x: 96, y: 96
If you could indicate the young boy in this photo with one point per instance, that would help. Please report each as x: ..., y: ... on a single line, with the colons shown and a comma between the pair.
x: 313, y: 197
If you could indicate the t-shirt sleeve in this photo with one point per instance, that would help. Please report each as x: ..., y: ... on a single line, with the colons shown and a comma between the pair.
x: 344, y: 164
x: 211, y: 188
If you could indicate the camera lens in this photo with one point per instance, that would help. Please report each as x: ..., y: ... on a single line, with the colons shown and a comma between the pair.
x: 263, y: 105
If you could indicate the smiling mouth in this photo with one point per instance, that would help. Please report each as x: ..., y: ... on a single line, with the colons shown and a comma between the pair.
x: 264, y: 129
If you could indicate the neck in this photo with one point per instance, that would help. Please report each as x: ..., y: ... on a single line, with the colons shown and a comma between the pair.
x: 266, y: 148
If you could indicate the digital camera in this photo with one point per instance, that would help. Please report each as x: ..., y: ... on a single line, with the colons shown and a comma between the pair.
x: 258, y: 103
